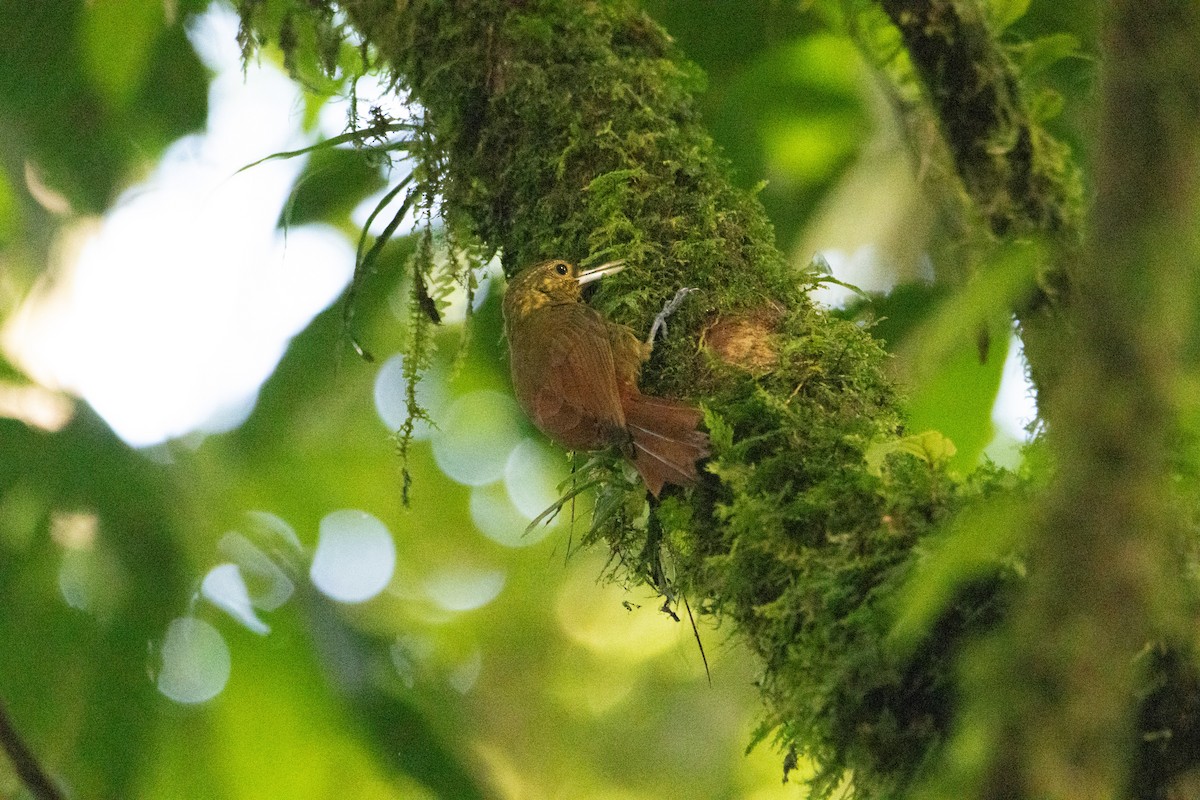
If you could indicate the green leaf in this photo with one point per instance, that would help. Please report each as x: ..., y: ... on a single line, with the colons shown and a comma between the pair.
x: 1046, y: 105
x: 990, y: 295
x: 1040, y: 54
x: 350, y: 137
x: 117, y: 43
x: 980, y: 543
x: 333, y: 183
x: 1006, y: 12
x: 84, y: 132
x: 76, y: 674
x: 930, y: 446
x: 954, y: 379
x: 957, y: 397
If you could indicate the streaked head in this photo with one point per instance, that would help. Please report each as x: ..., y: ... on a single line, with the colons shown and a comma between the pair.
x: 551, y: 282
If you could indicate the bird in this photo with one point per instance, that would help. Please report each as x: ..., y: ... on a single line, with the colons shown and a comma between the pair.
x: 575, y: 375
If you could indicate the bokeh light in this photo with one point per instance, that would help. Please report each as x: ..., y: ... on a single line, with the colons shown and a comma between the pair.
x: 460, y: 588
x: 634, y: 637
x: 479, y: 431
x: 355, y: 556
x: 465, y: 675
x: 498, y: 519
x: 410, y: 653
x: 391, y: 401
x: 170, y: 312
x: 268, y: 586
x: 195, y: 661
x: 91, y: 580
x: 532, y: 475
x: 223, y: 587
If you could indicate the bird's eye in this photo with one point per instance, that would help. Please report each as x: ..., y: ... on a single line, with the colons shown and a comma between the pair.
x: 561, y: 269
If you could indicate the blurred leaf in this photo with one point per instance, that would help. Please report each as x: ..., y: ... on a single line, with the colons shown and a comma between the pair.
x: 796, y: 116
x: 987, y: 299
x: 808, y: 150
x: 931, y: 447
x: 729, y: 36
x: 1006, y: 12
x: 117, y: 41
x: 784, y: 98
x: 957, y: 398
x: 78, y: 678
x: 172, y: 98
x: 1038, y: 55
x: 404, y: 738
x: 1046, y: 105
x: 10, y: 219
x: 893, y: 317
x: 53, y: 114
x: 979, y: 544
x: 938, y: 336
x: 332, y: 185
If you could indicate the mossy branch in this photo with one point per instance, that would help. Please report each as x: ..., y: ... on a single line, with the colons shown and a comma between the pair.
x: 1008, y: 163
x: 569, y: 130
x: 1020, y: 181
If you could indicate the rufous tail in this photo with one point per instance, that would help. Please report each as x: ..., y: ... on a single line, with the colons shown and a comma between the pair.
x: 666, y: 444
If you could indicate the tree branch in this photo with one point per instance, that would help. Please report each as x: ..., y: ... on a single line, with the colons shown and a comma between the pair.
x: 568, y: 130
x: 999, y: 152
x: 1020, y: 179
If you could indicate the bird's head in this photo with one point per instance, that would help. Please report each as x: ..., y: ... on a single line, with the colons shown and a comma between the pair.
x: 554, y: 282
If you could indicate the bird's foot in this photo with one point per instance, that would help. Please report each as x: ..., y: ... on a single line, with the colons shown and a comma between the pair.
x: 660, y: 321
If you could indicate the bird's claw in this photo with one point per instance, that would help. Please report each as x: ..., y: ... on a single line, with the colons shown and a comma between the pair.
x: 660, y: 321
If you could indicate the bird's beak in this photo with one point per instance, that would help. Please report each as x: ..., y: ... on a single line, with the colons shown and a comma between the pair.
x: 596, y: 273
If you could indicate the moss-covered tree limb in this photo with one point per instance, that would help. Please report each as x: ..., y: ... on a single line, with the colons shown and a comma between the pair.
x: 1007, y: 163
x: 1109, y: 555
x: 1019, y: 179
x: 568, y: 129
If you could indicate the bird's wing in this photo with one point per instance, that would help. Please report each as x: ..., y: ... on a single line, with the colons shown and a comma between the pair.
x: 629, y: 352
x: 566, y: 379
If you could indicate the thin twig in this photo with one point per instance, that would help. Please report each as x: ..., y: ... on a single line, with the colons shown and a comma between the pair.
x: 25, y: 763
x: 700, y: 644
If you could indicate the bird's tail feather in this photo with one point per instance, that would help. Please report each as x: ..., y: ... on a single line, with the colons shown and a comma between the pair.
x: 665, y: 441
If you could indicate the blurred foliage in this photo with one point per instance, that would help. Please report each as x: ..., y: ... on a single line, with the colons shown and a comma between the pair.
x: 554, y: 688
x: 87, y: 91
x: 783, y: 98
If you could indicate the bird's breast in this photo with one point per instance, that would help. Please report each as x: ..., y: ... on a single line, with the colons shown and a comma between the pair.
x: 564, y: 377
